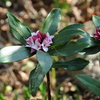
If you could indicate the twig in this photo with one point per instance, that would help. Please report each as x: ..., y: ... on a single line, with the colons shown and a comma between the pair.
x: 48, y: 86
x: 29, y: 8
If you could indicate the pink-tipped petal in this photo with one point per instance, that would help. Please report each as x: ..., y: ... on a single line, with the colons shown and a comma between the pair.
x: 39, y: 41
x: 97, y: 34
x: 32, y: 50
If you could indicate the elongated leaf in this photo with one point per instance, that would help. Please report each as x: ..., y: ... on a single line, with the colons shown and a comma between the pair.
x: 19, y: 30
x: 14, y: 53
x: 16, y: 95
x: 93, y: 46
x: 36, y: 78
x: 66, y: 35
x: 68, y: 49
x: 90, y: 50
x: 2, y: 97
x: 26, y: 93
x: 51, y: 22
x: 91, y: 83
x: 73, y: 64
x: 90, y: 40
x: 96, y: 21
x: 44, y: 60
x: 72, y: 26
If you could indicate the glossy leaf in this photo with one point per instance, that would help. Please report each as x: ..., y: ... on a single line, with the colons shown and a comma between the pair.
x: 93, y: 46
x: 14, y: 53
x: 19, y: 30
x: 51, y: 22
x: 90, y: 40
x: 90, y: 50
x: 36, y: 78
x: 96, y: 21
x: 72, y: 26
x: 68, y: 49
x: 44, y: 60
x: 91, y: 83
x: 66, y: 35
x: 73, y: 64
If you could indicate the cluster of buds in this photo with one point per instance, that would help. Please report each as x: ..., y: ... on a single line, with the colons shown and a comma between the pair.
x: 97, y: 34
x: 39, y: 41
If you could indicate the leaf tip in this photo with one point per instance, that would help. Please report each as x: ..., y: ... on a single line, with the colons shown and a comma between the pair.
x: 80, y: 75
x: 8, y: 13
x: 77, y: 76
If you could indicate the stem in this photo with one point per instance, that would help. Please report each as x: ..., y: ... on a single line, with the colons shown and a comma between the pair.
x: 48, y: 86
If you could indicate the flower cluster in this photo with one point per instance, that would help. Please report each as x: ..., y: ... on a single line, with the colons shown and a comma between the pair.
x: 39, y: 41
x: 97, y: 34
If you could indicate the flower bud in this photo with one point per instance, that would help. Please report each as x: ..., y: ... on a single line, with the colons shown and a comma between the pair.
x: 39, y: 41
x: 97, y: 34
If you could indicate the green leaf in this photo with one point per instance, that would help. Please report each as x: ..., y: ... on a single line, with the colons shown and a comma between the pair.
x: 57, y: 92
x: 73, y: 64
x: 37, y: 75
x: 90, y: 40
x: 66, y: 35
x: 91, y: 83
x: 96, y: 21
x: 2, y: 97
x: 16, y: 95
x: 68, y: 49
x: 14, y: 53
x: 93, y: 46
x: 43, y: 89
x: 90, y: 50
x: 72, y: 26
x: 26, y: 93
x: 36, y: 78
x: 44, y: 60
x: 19, y: 30
x: 51, y: 22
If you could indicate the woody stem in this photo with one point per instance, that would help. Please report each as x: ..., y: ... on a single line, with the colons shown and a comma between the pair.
x: 48, y: 85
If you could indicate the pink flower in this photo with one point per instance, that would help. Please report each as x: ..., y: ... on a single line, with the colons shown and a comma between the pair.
x: 97, y: 34
x: 39, y: 41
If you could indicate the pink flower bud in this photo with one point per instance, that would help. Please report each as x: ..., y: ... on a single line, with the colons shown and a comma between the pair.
x: 39, y: 41
x: 97, y: 34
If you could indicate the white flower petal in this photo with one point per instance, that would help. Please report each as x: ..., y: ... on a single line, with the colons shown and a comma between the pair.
x: 33, y: 33
x: 47, y: 34
x: 28, y: 46
x: 34, y: 47
x: 37, y: 42
x: 51, y: 36
x: 45, y: 49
